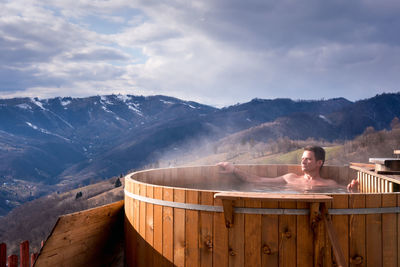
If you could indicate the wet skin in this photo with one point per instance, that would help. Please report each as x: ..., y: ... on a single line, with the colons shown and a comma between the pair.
x: 309, y: 165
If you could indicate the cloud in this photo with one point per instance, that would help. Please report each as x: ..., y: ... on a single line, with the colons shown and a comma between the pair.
x: 97, y: 54
x: 215, y: 52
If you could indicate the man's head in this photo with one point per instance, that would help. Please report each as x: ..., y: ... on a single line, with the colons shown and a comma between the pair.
x: 313, y: 158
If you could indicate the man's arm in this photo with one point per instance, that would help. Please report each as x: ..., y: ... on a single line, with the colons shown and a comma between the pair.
x: 228, y: 167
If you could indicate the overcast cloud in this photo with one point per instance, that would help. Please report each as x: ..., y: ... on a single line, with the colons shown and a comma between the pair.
x: 216, y: 52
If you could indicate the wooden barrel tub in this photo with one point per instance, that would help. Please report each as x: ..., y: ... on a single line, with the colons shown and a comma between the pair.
x: 186, y: 217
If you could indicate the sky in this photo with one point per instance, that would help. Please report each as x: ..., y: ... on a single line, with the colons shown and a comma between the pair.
x: 216, y: 52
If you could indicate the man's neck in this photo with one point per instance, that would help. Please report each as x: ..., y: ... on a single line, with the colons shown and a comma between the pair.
x: 311, y: 175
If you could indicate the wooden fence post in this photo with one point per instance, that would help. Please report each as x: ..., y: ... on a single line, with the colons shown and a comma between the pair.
x: 13, y: 261
x: 24, y: 253
x: 3, y: 255
x: 33, y: 258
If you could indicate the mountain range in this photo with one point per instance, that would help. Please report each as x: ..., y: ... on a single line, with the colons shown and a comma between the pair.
x: 60, y: 143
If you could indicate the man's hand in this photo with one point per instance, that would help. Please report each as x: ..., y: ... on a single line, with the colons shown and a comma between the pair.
x: 226, y: 167
x: 353, y: 186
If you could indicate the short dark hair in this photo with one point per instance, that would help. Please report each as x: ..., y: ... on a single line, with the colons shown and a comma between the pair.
x: 319, y: 152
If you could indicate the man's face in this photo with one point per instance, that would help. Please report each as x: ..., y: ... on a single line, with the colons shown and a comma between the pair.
x: 309, y: 163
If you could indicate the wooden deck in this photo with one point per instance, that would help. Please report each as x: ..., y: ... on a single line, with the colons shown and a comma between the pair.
x: 92, y: 237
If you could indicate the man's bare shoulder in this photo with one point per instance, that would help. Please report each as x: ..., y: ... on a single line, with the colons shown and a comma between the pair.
x: 291, y: 177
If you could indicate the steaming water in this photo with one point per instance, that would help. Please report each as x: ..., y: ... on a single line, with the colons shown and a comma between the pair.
x: 289, y: 189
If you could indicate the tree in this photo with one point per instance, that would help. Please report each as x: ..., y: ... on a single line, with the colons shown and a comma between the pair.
x: 78, y: 195
x: 395, y: 124
x: 118, y: 183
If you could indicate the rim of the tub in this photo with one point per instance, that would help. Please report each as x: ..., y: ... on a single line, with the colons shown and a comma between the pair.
x: 261, y: 211
x: 129, y: 176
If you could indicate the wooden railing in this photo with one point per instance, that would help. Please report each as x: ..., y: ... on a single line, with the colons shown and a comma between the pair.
x: 372, y: 182
x: 12, y: 261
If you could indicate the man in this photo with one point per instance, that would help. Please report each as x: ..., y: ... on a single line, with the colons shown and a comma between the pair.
x: 311, y: 163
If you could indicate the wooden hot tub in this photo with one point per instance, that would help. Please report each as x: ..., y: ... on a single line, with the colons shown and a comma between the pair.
x: 176, y: 217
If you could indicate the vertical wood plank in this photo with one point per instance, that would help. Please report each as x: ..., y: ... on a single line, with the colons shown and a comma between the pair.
x: 272, y: 171
x: 341, y: 223
x: 141, y: 245
x: 319, y: 243
x: 374, y: 231
x: 192, y: 231
x: 328, y: 245
x: 398, y: 231
x: 136, y: 218
x: 344, y: 175
x: 378, y: 185
x: 370, y: 186
x: 136, y: 209
x: 130, y: 238
x: 287, y: 236
x: 179, y: 229
x: 373, y: 184
x: 363, y: 182
x: 333, y: 173
x: 220, y: 254
x: 362, y: 179
x: 270, y: 236
x: 282, y: 169
x: 237, y: 239
x: 158, y: 227
x: 149, y: 233
x: 252, y: 235
x: 13, y: 261
x: 304, y: 246
x: 24, y: 253
x: 3, y: 255
x: 357, y: 229
x: 128, y: 225
x: 33, y: 258
x: 142, y: 211
x: 389, y: 232
x: 206, y: 230
x: 168, y: 228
